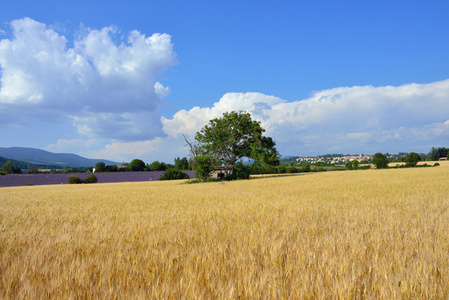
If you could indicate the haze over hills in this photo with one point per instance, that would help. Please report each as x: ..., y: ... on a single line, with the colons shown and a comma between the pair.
x: 42, y: 157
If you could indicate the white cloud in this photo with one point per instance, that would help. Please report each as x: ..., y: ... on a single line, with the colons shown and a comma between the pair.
x: 107, y: 90
x: 67, y: 145
x: 126, y: 151
x: 346, y: 119
x: 110, y: 92
x: 161, y: 90
x: 189, y: 122
x: 162, y: 149
x: 342, y: 120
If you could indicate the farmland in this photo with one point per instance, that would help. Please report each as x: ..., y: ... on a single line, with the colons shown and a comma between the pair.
x: 354, y: 234
x: 61, y: 178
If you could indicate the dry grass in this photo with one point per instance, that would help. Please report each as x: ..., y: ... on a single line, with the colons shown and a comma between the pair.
x: 358, y: 234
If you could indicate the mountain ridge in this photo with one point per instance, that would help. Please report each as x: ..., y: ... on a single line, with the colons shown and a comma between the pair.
x: 42, y: 157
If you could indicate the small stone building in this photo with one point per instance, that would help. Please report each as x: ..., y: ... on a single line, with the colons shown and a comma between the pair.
x: 220, y: 172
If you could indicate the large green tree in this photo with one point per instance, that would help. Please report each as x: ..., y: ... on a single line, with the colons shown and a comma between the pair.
x: 380, y: 161
x: 181, y: 163
x: 234, y: 136
x: 9, y: 168
x: 136, y: 165
x: 158, y: 166
x: 100, y: 167
x: 412, y: 159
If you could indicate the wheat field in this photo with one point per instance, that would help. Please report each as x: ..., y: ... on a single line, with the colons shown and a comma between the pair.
x: 375, y: 234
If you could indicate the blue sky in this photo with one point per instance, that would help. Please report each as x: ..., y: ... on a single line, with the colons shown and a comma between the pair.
x: 121, y: 80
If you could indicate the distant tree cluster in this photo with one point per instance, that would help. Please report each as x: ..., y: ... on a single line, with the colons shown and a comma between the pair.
x: 352, y: 165
x: 138, y: 165
x: 182, y: 164
x: 412, y: 159
x: 9, y: 168
x: 437, y: 153
x: 380, y: 161
x: 101, y: 167
x: 159, y: 166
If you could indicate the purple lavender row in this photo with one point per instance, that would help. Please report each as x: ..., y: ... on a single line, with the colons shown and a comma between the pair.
x: 61, y: 178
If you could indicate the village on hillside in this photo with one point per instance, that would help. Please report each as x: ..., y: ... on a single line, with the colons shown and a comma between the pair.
x: 333, y: 159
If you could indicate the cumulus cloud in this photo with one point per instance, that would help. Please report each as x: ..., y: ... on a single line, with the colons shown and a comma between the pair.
x: 111, y: 93
x: 106, y: 89
x: 345, y: 119
x: 189, y: 122
x: 365, y: 119
x: 126, y: 151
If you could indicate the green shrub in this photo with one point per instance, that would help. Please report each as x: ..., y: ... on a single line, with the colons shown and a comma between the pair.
x: 305, y: 168
x: 241, y: 171
x: 203, y: 167
x: 291, y: 169
x: 436, y: 164
x: 365, y: 167
x: 348, y: 165
x: 74, y: 180
x: 172, y: 174
x: 281, y: 169
x: 90, y: 179
x: 412, y: 159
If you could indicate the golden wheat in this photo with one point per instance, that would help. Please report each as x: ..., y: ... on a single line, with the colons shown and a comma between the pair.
x: 355, y: 234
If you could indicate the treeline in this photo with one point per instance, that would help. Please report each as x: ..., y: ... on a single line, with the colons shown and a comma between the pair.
x: 183, y: 164
x: 171, y: 171
x: 259, y: 169
x: 9, y: 168
x: 437, y: 153
x: 138, y: 165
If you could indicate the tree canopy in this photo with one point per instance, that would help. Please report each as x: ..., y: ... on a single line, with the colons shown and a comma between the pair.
x: 436, y: 153
x: 9, y: 168
x: 234, y: 136
x: 100, y: 167
x: 380, y: 161
x: 136, y: 165
x: 157, y: 166
x: 412, y: 159
x: 181, y: 163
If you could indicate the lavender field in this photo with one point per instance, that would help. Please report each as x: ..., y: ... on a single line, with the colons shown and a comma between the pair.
x: 61, y: 178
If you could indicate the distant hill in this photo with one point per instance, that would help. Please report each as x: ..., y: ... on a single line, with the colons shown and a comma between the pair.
x: 41, y: 157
